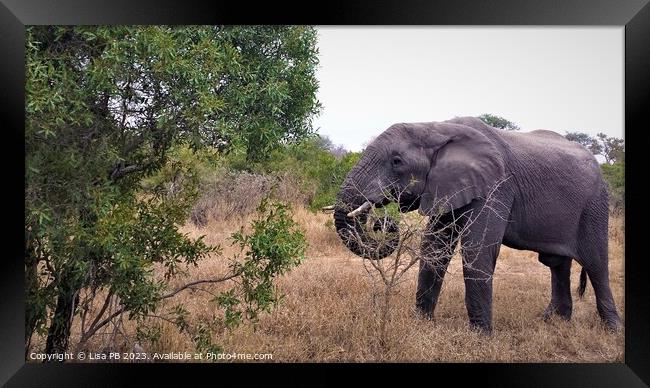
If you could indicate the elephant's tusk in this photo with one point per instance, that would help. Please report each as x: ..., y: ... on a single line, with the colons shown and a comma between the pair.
x: 327, y: 208
x: 360, y: 209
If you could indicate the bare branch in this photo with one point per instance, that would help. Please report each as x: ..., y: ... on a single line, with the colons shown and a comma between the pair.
x: 95, y: 326
x: 444, y: 231
x: 204, y: 281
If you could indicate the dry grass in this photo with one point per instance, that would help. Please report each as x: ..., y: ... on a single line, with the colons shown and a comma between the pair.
x: 329, y: 312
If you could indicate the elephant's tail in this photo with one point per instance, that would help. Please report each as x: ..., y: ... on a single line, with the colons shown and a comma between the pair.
x: 583, y: 283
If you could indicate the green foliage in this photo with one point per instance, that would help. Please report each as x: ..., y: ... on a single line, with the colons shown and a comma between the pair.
x: 104, y: 107
x: 275, y: 245
x: 498, y: 122
x: 614, y: 175
x: 331, y: 180
x: 277, y: 67
x: 183, y: 163
x: 392, y: 211
x: 148, y: 333
x: 203, y: 340
x: 318, y: 168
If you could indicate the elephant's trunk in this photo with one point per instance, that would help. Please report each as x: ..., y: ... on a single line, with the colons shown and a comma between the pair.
x: 363, y: 187
x: 353, y: 232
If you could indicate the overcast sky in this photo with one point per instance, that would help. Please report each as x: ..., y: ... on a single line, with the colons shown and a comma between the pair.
x: 562, y: 79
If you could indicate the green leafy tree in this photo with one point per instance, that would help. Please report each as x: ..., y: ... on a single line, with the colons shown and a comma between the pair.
x: 498, y: 122
x: 614, y: 169
x: 272, y: 87
x: 103, y: 107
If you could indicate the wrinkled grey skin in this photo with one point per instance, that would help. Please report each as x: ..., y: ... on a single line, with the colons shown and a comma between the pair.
x: 551, y: 199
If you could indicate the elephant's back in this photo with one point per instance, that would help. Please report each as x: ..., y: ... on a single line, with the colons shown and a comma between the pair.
x: 550, y: 168
x: 545, y: 146
x: 553, y: 154
x: 543, y: 139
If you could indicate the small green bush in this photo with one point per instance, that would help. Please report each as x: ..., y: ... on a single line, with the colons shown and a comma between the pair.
x: 614, y: 175
x: 275, y: 245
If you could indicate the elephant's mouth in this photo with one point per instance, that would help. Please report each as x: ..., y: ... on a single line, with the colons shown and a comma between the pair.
x: 408, y: 202
x: 376, y: 242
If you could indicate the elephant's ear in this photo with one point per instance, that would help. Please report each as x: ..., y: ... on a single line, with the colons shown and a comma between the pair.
x: 466, y: 167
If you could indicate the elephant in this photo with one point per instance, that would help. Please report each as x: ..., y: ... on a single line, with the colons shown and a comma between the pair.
x: 551, y: 199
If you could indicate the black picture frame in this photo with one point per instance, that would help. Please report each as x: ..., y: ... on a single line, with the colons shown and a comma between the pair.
x: 633, y: 14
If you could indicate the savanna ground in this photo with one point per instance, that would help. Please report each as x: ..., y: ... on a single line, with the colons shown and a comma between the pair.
x: 330, y: 309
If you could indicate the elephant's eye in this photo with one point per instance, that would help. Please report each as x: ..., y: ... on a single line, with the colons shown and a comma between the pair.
x: 396, y: 161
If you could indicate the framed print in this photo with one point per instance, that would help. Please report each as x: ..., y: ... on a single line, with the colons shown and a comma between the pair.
x: 426, y: 187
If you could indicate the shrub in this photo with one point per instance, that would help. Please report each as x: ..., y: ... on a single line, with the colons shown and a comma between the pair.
x: 235, y: 194
x: 275, y: 245
x: 319, y: 171
x: 614, y: 175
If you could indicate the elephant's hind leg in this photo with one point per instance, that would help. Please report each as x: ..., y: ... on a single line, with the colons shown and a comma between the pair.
x: 604, y: 299
x: 598, y: 272
x: 561, y: 303
x: 593, y: 256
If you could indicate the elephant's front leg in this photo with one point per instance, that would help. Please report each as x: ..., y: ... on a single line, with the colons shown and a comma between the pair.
x: 480, y: 251
x: 438, y: 246
x: 478, y: 271
x: 430, y: 277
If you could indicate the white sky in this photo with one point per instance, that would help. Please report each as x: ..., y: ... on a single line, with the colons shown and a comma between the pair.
x: 557, y: 78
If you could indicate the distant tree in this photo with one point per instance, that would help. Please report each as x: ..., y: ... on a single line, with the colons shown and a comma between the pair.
x: 613, y: 148
x: 589, y: 142
x: 323, y: 142
x: 498, y: 122
x: 339, y: 151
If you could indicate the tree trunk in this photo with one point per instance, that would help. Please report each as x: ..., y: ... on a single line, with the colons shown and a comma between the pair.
x: 58, y: 336
x: 31, y: 288
x: 69, y: 286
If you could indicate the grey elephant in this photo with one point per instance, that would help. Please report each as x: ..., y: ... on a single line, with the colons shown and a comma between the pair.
x: 550, y: 194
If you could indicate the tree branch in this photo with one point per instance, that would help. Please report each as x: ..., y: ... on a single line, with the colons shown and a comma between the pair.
x: 119, y: 172
x: 93, y: 329
x: 188, y: 285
